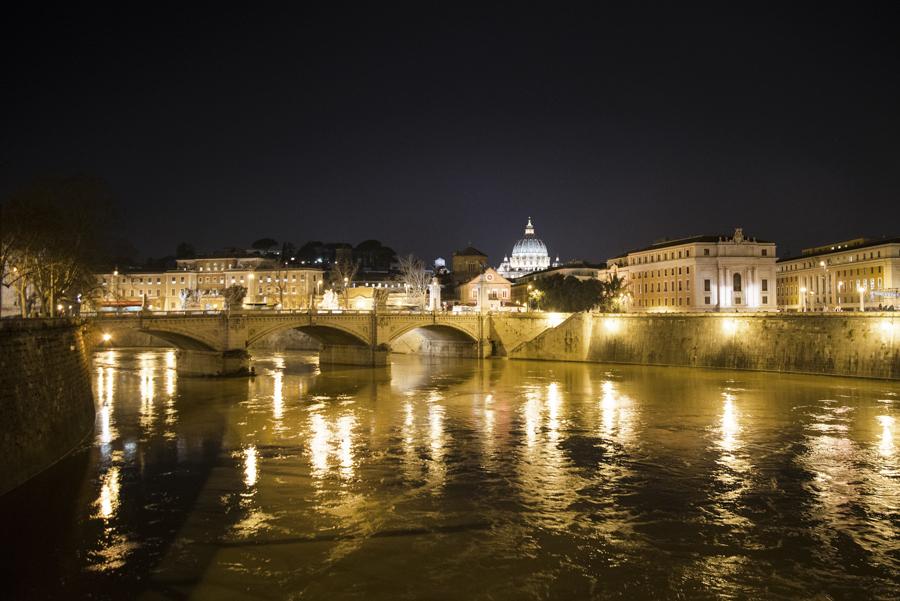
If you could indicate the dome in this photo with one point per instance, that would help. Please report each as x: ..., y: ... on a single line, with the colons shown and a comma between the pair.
x: 528, y: 255
x: 529, y: 246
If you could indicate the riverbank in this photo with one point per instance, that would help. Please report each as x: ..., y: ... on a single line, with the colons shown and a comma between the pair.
x: 46, y: 404
x: 840, y: 344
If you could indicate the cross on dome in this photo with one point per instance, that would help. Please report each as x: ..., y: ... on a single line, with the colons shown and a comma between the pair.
x: 529, y: 229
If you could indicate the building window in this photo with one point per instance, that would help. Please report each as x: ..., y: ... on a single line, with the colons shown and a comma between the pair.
x: 706, y: 288
x: 736, y: 281
x: 765, y: 300
x: 706, y: 252
x: 765, y: 285
x: 765, y: 252
x: 687, y: 254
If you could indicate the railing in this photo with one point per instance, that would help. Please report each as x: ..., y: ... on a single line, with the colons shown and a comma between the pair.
x: 257, y: 312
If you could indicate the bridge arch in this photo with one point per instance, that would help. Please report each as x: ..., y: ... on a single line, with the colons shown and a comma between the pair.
x: 326, y: 334
x: 179, y: 340
x: 444, y: 331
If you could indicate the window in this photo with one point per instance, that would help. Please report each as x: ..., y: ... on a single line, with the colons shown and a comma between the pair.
x: 687, y: 254
x: 765, y: 285
x: 688, y: 270
x: 705, y: 252
x: 706, y: 287
x: 765, y: 300
x: 765, y: 252
x: 736, y: 281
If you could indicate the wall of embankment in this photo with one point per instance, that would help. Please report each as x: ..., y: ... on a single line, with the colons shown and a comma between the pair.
x: 46, y: 403
x: 860, y: 345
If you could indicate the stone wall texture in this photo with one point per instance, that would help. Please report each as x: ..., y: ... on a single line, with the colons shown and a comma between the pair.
x: 862, y: 345
x: 46, y: 403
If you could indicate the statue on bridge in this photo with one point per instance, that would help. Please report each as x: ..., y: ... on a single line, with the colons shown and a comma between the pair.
x: 329, y: 301
x: 434, y: 295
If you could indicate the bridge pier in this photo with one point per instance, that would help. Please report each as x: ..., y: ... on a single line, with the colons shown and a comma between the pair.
x: 212, y: 363
x: 353, y: 354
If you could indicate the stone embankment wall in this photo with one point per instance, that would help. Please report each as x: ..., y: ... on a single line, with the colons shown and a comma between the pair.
x: 864, y: 345
x: 46, y: 403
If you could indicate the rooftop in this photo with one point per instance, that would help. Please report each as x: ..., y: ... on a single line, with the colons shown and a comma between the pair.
x: 840, y: 247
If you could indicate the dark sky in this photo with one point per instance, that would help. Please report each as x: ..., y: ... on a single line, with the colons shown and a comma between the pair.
x: 432, y: 127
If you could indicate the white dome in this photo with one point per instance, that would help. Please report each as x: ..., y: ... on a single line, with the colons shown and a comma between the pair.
x: 529, y: 246
x: 529, y: 254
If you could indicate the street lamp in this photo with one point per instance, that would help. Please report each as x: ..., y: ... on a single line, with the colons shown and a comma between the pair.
x: 861, y: 290
x: 803, y: 299
x: 346, y: 293
x: 826, y: 288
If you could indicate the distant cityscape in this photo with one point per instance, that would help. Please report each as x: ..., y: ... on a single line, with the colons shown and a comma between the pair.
x: 719, y: 272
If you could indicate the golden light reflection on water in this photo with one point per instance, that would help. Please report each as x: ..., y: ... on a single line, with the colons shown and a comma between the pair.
x: 729, y: 426
x: 886, y: 439
x: 147, y: 388
x: 108, y: 501
x: 250, y: 467
x: 734, y: 473
x: 106, y: 394
x: 616, y: 411
x: 572, y: 451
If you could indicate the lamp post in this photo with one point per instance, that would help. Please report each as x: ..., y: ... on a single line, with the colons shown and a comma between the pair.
x: 862, y: 304
x: 803, y: 299
x: 528, y: 301
x: 346, y: 294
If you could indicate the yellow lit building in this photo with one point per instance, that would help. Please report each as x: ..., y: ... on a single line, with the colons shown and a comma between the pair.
x: 200, y: 284
x: 833, y: 277
x: 701, y: 273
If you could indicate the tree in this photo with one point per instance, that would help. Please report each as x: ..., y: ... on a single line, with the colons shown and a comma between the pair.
x: 374, y: 256
x: 615, y: 293
x: 342, y: 273
x: 185, y: 251
x: 414, y: 279
x: 234, y: 296
x: 56, y: 229
x: 568, y: 294
x: 264, y: 244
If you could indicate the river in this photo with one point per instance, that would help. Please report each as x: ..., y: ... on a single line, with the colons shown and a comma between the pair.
x: 465, y: 479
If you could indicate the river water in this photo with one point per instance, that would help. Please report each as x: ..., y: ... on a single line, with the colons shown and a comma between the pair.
x: 460, y: 479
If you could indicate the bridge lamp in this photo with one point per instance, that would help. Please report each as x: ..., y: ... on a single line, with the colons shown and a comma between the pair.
x: 106, y: 337
x: 729, y: 326
x: 612, y: 325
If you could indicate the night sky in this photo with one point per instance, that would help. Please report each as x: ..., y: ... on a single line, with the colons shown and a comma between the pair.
x: 432, y: 127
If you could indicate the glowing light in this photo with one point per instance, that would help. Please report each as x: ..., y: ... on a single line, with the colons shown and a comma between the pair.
x: 345, y: 447
x: 612, y: 325
x: 277, y: 395
x: 729, y: 326
x: 250, y: 468
x: 318, y: 444
x: 554, y: 319
x: 108, y: 501
x: 886, y: 440
x: 730, y: 425
x: 106, y: 337
x: 887, y: 326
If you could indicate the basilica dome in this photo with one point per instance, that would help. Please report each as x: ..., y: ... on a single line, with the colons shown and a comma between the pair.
x: 529, y: 254
x: 530, y: 246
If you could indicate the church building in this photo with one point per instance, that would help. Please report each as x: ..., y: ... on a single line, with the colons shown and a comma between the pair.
x: 528, y: 255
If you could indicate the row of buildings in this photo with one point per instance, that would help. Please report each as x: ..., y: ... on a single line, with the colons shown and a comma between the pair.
x: 698, y: 273
x: 710, y: 273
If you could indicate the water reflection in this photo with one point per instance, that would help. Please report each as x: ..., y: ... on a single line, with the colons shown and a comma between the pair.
x: 484, y: 479
x: 886, y: 440
x: 108, y: 501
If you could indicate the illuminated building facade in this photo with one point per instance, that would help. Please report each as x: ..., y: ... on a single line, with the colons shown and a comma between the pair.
x: 200, y: 284
x: 834, y: 276
x: 700, y: 273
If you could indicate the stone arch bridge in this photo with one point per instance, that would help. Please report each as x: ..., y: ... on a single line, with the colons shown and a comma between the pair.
x: 216, y: 343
